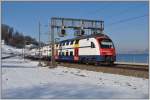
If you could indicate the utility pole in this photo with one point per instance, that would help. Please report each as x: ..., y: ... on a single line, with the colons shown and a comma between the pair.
x: 22, y: 53
x: 53, y: 63
x: 24, y: 49
x: 39, y: 44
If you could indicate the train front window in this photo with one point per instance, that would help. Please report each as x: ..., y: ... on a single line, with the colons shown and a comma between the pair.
x: 106, y: 43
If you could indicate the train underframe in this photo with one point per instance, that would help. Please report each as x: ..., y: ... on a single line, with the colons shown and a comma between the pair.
x: 96, y: 60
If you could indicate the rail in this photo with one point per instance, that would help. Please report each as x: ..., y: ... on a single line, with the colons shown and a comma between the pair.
x: 130, y: 63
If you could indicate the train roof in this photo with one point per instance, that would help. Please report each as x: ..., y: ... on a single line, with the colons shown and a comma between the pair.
x: 78, y: 38
x: 86, y: 36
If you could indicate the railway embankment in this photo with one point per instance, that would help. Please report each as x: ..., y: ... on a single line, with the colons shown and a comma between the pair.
x: 121, y: 69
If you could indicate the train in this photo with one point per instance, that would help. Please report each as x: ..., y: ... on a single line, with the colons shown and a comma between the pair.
x: 92, y: 49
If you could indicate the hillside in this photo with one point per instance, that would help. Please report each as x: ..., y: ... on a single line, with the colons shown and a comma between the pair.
x: 15, y: 38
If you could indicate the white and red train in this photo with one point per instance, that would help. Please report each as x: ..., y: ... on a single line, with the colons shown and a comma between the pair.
x: 95, y: 49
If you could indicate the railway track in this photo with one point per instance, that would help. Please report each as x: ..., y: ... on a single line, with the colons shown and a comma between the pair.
x: 115, y: 66
x: 128, y: 70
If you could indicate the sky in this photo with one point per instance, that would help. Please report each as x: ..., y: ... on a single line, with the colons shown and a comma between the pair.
x: 126, y: 23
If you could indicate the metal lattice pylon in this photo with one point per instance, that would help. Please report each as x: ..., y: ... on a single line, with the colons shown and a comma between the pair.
x: 58, y: 23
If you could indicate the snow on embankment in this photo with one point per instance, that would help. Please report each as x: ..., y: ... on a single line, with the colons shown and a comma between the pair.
x: 9, y: 50
x: 24, y: 79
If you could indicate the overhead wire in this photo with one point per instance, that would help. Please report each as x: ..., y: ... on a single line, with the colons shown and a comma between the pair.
x: 122, y: 12
x: 127, y: 19
x: 125, y: 11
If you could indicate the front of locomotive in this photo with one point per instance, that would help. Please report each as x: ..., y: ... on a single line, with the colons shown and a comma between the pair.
x: 107, y: 50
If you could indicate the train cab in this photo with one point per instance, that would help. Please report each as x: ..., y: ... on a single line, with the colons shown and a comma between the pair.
x: 107, y: 50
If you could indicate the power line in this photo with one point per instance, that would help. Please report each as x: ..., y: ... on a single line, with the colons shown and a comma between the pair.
x: 103, y: 9
x: 128, y: 19
x: 125, y: 11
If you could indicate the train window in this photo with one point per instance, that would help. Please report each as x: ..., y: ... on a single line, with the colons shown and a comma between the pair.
x: 62, y: 53
x: 67, y: 43
x: 71, y: 53
x: 92, y: 45
x: 106, y: 43
x: 64, y: 43
x: 59, y: 44
x: 71, y: 42
x: 66, y: 53
x: 59, y: 53
x: 77, y: 41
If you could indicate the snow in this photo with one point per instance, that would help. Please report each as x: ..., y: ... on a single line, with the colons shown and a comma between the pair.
x: 24, y: 79
x: 9, y: 50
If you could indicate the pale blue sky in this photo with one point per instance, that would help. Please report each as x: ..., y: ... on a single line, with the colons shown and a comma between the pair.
x: 125, y: 22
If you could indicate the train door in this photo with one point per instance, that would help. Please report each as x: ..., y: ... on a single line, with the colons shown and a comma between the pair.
x: 76, y: 54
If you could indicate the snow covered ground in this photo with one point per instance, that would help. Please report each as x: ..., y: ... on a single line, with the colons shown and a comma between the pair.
x: 25, y: 79
x: 9, y: 49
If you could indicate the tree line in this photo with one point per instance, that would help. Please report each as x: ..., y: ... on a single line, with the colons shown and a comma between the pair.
x: 15, y: 38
